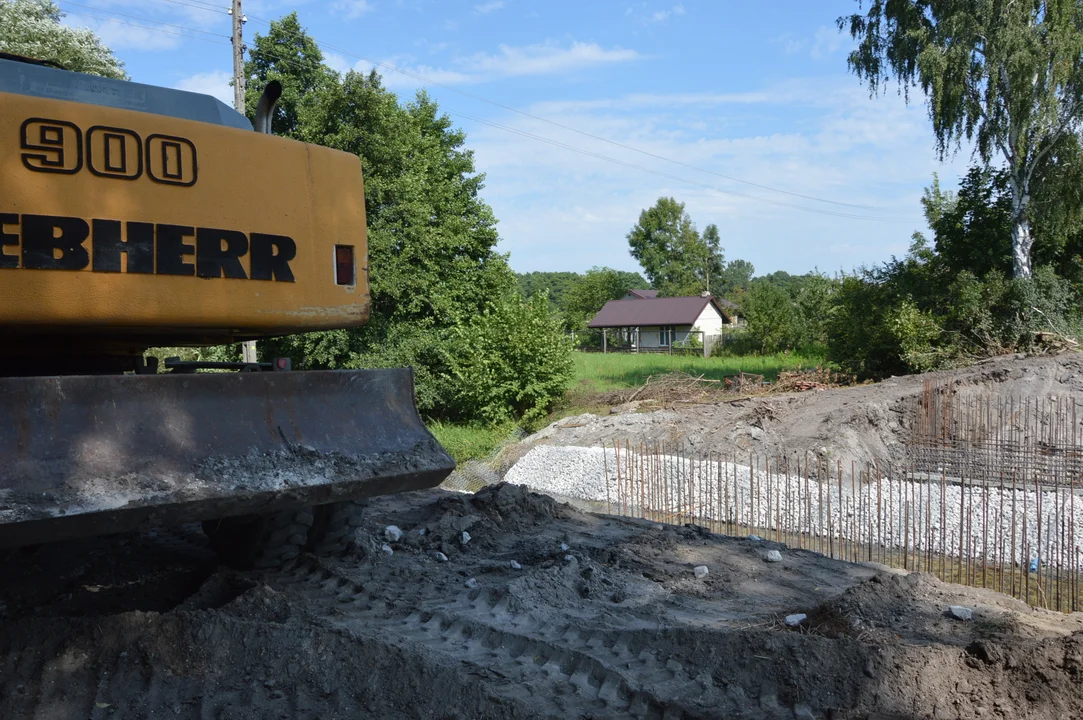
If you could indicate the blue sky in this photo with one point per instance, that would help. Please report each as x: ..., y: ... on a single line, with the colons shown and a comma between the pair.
x: 620, y: 103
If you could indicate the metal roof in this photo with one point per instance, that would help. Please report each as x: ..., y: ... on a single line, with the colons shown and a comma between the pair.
x: 653, y: 311
x: 644, y: 294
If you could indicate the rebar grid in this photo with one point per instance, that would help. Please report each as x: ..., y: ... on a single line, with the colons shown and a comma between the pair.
x: 1015, y: 533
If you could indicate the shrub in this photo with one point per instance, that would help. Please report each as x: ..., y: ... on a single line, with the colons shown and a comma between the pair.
x: 512, y: 361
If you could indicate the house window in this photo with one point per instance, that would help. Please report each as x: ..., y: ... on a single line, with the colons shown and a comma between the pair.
x: 665, y: 335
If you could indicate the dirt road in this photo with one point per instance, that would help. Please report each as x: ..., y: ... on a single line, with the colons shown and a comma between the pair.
x: 603, y: 617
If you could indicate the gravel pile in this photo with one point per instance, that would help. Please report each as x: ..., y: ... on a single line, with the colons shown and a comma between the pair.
x: 920, y: 516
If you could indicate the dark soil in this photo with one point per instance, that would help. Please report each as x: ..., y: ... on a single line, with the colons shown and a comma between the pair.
x: 613, y: 625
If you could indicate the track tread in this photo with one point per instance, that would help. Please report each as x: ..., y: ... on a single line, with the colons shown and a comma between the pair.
x: 562, y: 668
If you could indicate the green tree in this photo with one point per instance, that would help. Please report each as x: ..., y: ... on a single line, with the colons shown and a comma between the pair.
x: 289, y: 55
x: 1007, y: 75
x: 32, y: 28
x: 735, y: 277
x: 553, y: 283
x: 971, y: 228
x: 813, y: 303
x: 708, y: 261
x: 772, y: 319
x: 674, y: 257
x: 589, y: 293
x: 433, y: 268
x: 508, y: 362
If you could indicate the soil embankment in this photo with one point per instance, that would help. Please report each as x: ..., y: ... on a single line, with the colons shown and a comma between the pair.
x: 863, y: 423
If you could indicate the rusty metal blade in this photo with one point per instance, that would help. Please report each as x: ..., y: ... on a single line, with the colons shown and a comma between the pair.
x: 90, y: 455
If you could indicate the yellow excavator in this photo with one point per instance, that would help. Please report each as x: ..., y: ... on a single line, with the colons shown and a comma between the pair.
x: 132, y: 217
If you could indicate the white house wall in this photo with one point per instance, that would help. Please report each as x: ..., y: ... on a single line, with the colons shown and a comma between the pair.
x: 709, y: 321
x: 649, y: 336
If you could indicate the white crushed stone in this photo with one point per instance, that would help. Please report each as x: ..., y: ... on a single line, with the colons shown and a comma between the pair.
x: 515, y: 566
x: 471, y: 583
x: 564, y: 547
x: 386, y: 549
x: 569, y: 558
x: 795, y: 619
x: 773, y: 556
x: 700, y: 571
x: 465, y: 538
x: 392, y: 533
x: 439, y: 556
x: 961, y: 612
x: 799, y: 505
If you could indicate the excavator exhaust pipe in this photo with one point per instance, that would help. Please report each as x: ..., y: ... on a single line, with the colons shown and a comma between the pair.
x: 94, y: 455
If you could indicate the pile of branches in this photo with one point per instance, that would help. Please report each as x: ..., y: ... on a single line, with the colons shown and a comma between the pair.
x: 814, y: 379
x: 675, y: 387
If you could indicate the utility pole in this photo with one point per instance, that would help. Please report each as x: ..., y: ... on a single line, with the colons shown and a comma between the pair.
x: 248, y: 349
x: 238, y: 56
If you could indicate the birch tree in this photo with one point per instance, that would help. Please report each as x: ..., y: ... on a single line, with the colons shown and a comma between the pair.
x: 1006, y: 75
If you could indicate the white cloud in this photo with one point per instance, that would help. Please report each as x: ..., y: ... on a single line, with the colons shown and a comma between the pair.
x: 127, y: 36
x: 546, y: 58
x: 352, y: 9
x: 489, y: 7
x: 508, y: 61
x: 823, y: 138
x: 336, y: 62
x: 827, y: 41
x: 663, y: 15
x: 214, y: 83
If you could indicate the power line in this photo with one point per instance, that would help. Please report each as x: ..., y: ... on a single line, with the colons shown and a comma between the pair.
x: 659, y: 173
x: 569, y: 128
x: 543, y: 139
x: 136, y: 17
x: 200, y: 6
x: 669, y: 176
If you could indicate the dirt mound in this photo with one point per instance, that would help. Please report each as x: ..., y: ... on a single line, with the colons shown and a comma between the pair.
x: 863, y: 423
x: 546, y: 612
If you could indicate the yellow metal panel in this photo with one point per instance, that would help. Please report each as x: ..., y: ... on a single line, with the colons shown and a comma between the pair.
x: 192, y: 194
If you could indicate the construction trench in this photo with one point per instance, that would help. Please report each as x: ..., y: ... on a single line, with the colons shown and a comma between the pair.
x: 507, y: 603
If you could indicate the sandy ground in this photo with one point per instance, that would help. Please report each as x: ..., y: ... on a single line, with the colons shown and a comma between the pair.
x: 613, y: 624
x: 862, y: 423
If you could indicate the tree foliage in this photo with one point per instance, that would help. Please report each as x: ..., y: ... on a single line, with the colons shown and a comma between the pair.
x: 555, y: 284
x: 32, y: 28
x: 735, y: 278
x: 590, y: 292
x: 433, y: 268
x: 289, y: 55
x: 1006, y: 75
x: 675, y: 257
x: 508, y: 362
x: 791, y: 314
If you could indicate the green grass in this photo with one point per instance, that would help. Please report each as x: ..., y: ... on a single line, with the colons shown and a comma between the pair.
x: 470, y: 442
x: 598, y: 372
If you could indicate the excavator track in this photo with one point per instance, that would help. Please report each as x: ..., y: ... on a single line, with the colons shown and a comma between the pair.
x: 560, y: 670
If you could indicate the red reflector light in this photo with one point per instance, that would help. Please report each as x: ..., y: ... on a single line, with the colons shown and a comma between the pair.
x: 344, y: 268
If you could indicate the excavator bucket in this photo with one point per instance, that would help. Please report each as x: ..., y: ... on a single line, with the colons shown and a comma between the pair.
x: 92, y: 455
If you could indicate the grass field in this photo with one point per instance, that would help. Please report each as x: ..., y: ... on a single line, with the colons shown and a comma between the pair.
x: 598, y: 372
x: 471, y: 442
